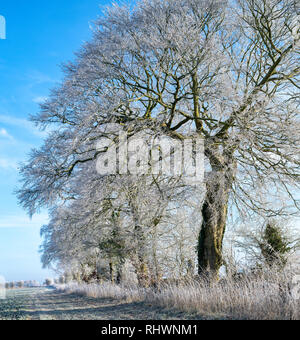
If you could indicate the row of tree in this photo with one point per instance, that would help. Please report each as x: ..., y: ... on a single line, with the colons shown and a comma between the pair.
x: 21, y: 284
x: 224, y: 71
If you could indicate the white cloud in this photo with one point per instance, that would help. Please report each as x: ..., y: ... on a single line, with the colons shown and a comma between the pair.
x: 39, y: 77
x: 8, y: 164
x: 23, y: 221
x: 21, y: 123
x: 40, y: 99
x: 5, y: 134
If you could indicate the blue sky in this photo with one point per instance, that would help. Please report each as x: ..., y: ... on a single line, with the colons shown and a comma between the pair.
x: 40, y: 35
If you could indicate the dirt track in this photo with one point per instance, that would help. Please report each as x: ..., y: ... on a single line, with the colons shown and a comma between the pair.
x: 49, y: 304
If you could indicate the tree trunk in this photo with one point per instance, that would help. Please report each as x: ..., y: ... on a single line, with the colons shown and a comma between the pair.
x: 143, y: 275
x: 211, y: 238
x: 112, y: 271
x: 140, y: 262
x: 214, y: 216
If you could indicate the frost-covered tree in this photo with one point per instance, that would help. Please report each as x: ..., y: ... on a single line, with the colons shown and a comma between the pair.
x: 115, y: 219
x: 227, y: 71
x: 274, y: 244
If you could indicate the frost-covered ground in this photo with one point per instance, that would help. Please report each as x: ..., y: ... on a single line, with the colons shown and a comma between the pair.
x: 19, y: 304
x: 50, y: 304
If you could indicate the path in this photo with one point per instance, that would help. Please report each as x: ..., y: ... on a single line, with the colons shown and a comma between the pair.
x: 50, y: 304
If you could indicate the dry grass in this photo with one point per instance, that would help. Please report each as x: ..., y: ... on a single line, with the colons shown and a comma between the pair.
x: 105, y: 290
x: 267, y: 297
x: 232, y: 301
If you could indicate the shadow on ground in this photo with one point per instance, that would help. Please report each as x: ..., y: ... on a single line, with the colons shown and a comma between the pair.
x: 49, y: 304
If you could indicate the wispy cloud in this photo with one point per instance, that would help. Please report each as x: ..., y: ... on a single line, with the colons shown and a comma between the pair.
x: 23, y: 221
x: 21, y: 123
x: 40, y: 99
x: 5, y: 134
x: 8, y: 164
x: 37, y: 77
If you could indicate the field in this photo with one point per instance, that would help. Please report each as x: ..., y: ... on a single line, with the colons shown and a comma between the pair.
x: 50, y: 304
x: 245, y: 299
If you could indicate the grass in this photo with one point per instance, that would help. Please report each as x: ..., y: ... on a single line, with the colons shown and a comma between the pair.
x: 11, y: 306
x: 106, y: 290
x: 266, y: 297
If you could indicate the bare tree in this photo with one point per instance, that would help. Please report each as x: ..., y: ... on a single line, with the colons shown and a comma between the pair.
x: 116, y: 218
x: 227, y: 71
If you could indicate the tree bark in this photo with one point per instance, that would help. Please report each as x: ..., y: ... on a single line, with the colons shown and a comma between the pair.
x: 140, y: 263
x: 211, y: 236
x: 112, y: 271
x: 214, y: 217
